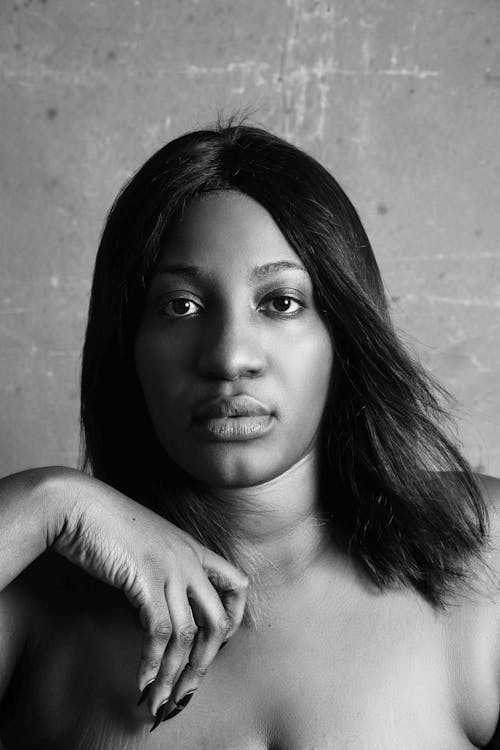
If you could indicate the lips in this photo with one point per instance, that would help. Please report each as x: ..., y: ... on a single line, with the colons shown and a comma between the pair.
x: 234, y: 406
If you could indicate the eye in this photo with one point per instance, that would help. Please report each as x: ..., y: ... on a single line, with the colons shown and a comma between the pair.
x: 284, y: 304
x: 180, y: 307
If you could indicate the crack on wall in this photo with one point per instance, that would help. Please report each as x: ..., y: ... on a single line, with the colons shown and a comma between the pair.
x: 463, y: 301
x: 290, y: 40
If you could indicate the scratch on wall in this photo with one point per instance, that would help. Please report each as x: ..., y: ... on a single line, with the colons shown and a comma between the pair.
x: 290, y: 40
x: 32, y: 73
x: 449, y: 257
x: 244, y: 70
x: 463, y: 301
x: 305, y: 86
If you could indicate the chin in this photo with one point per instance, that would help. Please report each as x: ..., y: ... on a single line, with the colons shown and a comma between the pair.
x: 231, y: 471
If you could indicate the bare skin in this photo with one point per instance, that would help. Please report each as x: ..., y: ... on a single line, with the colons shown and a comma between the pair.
x: 331, y: 662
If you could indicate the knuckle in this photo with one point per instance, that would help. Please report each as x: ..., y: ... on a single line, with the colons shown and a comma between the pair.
x: 161, y: 629
x: 150, y: 662
x: 186, y: 634
x: 221, y: 627
x: 239, y: 585
x: 197, y: 670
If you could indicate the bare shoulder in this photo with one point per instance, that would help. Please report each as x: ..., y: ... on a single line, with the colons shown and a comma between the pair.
x: 19, y: 609
x: 47, y: 591
x: 490, y: 487
x: 489, y: 632
x: 491, y: 491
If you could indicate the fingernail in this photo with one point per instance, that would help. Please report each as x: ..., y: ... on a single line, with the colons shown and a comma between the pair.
x: 223, y: 644
x: 180, y: 706
x: 145, y: 693
x: 160, y: 714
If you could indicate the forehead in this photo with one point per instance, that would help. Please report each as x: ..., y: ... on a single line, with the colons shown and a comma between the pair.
x: 226, y: 228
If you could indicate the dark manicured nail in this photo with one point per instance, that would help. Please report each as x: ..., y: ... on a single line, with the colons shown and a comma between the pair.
x: 223, y: 644
x: 180, y: 706
x: 145, y: 693
x: 160, y: 714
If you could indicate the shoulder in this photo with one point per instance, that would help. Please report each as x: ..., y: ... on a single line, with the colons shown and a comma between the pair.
x: 490, y: 487
x: 19, y: 610
x: 27, y: 604
x: 51, y: 590
x: 49, y: 617
x: 484, y: 613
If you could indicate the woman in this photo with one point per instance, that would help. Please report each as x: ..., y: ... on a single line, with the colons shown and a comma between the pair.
x: 269, y: 470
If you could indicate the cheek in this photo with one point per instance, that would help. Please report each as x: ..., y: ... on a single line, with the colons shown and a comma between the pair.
x: 316, y: 360
x: 308, y: 374
x: 160, y: 374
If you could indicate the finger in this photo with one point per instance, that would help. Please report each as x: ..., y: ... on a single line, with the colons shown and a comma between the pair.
x: 231, y: 585
x: 213, y: 626
x: 184, y: 631
x: 157, y: 626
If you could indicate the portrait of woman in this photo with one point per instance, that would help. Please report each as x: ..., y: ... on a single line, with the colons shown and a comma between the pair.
x: 268, y: 470
x: 249, y: 367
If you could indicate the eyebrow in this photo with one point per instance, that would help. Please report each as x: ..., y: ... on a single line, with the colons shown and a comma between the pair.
x: 259, y: 272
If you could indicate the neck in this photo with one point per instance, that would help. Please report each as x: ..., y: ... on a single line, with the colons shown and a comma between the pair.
x: 281, y: 527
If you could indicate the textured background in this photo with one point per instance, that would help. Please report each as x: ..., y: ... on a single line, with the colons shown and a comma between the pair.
x: 400, y: 99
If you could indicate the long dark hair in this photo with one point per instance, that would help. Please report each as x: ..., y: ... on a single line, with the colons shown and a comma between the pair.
x: 392, y: 480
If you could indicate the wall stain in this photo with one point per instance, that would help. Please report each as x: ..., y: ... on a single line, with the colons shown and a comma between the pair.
x: 51, y: 183
x: 51, y: 113
x: 490, y: 77
x: 382, y: 209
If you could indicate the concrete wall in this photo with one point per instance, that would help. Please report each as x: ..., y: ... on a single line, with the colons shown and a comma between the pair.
x: 400, y: 99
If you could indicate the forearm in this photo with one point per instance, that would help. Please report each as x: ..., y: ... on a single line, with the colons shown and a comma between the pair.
x: 31, y: 515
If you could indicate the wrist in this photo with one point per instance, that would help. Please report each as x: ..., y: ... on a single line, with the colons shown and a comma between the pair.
x: 56, y: 495
x: 33, y: 510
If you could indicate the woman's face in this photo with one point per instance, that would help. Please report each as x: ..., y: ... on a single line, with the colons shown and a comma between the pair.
x: 232, y: 355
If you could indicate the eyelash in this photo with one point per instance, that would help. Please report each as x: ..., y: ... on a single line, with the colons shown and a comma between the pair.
x: 277, y: 313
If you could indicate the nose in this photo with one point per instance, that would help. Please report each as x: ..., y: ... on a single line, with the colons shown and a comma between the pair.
x: 231, y: 349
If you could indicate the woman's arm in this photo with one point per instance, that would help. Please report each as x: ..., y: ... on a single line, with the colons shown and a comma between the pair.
x: 189, y: 599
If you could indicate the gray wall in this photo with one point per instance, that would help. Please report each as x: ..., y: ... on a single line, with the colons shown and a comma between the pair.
x: 400, y: 99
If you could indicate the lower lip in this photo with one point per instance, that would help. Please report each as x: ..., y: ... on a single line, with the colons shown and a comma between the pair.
x: 228, y: 429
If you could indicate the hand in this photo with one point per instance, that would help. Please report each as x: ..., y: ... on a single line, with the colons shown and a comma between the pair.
x: 190, y: 600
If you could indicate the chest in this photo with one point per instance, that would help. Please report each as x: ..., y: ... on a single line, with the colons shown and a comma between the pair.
x: 356, y: 679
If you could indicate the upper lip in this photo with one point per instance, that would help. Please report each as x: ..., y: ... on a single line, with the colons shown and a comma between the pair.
x: 233, y: 406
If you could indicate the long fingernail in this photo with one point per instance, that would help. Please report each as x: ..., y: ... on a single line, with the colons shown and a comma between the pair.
x: 223, y: 644
x: 145, y: 693
x: 160, y: 714
x: 180, y: 706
